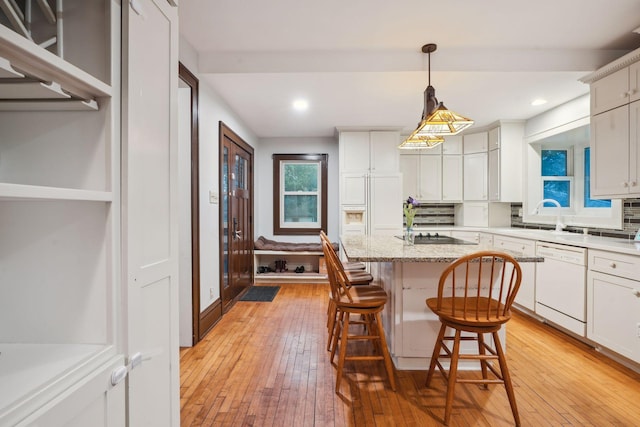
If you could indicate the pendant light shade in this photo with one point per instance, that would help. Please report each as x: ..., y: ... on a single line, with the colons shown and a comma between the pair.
x: 437, y: 121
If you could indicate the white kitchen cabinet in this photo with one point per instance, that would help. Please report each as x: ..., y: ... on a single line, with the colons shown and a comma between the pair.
x: 69, y: 316
x: 421, y: 176
x: 370, y: 182
x: 475, y: 143
x: 613, y: 302
x: 615, y: 153
x: 452, y: 175
x: 615, y: 110
x: 476, y: 176
x: 616, y: 89
x: 526, y: 296
x: 483, y: 214
x: 506, y: 162
x: 369, y: 151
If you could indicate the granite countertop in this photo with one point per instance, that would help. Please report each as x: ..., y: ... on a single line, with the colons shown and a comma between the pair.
x: 386, y: 248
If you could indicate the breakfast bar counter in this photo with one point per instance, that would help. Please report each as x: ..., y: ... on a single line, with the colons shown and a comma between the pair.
x: 410, y: 274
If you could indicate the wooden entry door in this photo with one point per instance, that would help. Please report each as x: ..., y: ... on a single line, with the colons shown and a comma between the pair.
x: 236, y: 215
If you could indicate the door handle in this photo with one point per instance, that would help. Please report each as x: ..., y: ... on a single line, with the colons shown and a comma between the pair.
x: 237, y: 234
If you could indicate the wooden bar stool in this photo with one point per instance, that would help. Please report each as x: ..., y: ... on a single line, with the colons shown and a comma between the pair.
x: 475, y: 294
x: 354, y: 278
x: 365, y: 301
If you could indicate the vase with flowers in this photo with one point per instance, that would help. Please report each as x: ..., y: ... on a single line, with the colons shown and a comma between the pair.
x: 410, y: 208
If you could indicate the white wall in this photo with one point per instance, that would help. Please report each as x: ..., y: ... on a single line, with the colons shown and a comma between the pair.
x: 212, y: 110
x: 264, y: 183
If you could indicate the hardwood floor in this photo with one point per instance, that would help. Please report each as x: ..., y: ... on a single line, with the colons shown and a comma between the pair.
x: 265, y: 364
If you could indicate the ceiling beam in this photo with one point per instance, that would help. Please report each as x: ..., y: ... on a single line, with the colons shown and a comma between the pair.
x: 457, y: 59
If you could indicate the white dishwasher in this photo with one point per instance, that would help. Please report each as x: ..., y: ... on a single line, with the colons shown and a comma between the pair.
x: 561, y: 294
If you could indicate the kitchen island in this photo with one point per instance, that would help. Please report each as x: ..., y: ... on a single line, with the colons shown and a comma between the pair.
x: 410, y: 274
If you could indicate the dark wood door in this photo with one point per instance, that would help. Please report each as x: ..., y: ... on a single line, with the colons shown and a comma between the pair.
x: 236, y: 215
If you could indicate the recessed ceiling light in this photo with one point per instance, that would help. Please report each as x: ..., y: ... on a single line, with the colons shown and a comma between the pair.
x: 300, y: 105
x: 538, y: 101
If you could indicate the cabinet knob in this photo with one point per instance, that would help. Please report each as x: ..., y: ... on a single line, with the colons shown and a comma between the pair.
x: 612, y: 265
x: 636, y: 293
x: 634, y: 183
x: 624, y: 94
x: 625, y: 184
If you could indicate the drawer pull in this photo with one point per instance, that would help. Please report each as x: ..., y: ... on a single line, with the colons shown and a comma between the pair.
x: 636, y: 293
x: 612, y: 265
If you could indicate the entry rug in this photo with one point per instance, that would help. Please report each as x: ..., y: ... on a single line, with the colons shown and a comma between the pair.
x: 260, y: 293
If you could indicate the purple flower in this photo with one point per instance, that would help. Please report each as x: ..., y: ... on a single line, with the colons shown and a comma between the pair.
x: 412, y: 201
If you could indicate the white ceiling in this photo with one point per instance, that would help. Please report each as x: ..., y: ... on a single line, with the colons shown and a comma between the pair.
x: 359, y: 62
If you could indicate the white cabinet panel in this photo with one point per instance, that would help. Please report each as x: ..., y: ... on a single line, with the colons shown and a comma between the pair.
x: 410, y: 168
x: 354, y: 189
x: 610, y: 92
x: 494, y: 175
x: 354, y: 152
x: 526, y: 296
x: 452, y: 178
x: 613, y: 313
x: 386, y: 204
x: 476, y: 142
x: 610, y: 173
x: 384, y: 151
x: 475, y: 176
x: 430, y: 178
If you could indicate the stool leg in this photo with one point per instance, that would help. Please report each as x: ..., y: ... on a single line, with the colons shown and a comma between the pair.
x: 343, y: 349
x: 385, y: 351
x: 436, y: 353
x: 331, y: 323
x: 507, y: 378
x: 337, y: 333
x: 483, y: 362
x: 453, y: 374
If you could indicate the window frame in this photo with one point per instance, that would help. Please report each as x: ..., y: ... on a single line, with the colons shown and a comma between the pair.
x: 577, y: 215
x: 280, y: 227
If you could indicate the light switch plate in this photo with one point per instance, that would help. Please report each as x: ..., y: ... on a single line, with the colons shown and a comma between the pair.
x: 213, y: 197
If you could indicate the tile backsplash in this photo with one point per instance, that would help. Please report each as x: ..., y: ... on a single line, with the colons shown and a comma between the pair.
x: 443, y: 215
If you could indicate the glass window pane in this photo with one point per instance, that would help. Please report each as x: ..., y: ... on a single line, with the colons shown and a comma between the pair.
x: 301, y: 176
x: 240, y: 173
x: 588, y: 201
x: 557, y: 190
x: 303, y: 208
x: 554, y: 162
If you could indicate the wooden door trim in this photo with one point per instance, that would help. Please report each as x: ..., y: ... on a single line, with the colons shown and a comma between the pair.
x: 226, y: 132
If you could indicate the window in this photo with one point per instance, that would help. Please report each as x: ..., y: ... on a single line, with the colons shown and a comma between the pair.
x: 560, y: 170
x: 300, y: 193
x: 557, y: 176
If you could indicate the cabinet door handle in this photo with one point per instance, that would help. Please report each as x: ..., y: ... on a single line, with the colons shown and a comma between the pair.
x: 625, y: 184
x: 636, y: 293
x: 624, y: 94
x: 634, y: 183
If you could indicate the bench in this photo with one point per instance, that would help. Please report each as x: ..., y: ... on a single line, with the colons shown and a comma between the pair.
x: 308, y: 255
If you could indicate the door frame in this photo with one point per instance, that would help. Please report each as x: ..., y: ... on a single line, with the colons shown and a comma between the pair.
x: 226, y: 132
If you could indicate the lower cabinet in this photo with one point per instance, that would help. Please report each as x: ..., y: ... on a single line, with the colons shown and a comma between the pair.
x: 526, y: 296
x: 93, y: 401
x: 613, y: 313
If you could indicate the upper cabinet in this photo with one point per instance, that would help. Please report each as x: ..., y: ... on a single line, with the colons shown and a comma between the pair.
x: 615, y: 113
x: 369, y: 151
x: 616, y: 89
x: 435, y: 174
x: 475, y: 184
x: 506, y: 162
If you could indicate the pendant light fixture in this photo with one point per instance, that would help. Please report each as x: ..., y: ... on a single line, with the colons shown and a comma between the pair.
x: 437, y: 121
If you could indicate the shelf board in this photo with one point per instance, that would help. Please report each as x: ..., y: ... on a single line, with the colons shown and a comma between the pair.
x: 290, y: 276
x: 26, y: 57
x: 48, y: 105
x: 37, y: 192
